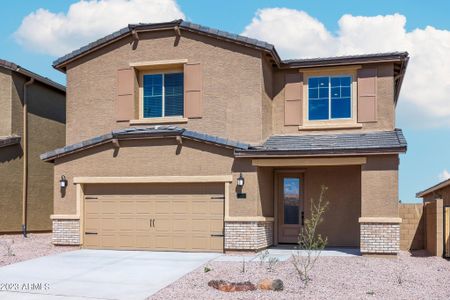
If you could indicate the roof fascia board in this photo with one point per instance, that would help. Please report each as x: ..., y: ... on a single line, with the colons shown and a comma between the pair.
x: 434, y: 188
x: 165, y: 26
x: 348, y: 62
x: 281, y: 154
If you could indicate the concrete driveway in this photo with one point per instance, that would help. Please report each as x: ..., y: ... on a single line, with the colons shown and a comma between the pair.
x: 97, y: 274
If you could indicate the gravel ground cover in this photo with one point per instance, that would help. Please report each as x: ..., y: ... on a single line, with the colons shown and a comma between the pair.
x: 404, y: 277
x: 16, y: 248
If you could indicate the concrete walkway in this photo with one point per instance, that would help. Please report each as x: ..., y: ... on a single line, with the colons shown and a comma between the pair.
x: 97, y: 274
x: 284, y: 252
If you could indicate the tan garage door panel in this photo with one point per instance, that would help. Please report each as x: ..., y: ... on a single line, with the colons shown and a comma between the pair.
x: 177, y: 217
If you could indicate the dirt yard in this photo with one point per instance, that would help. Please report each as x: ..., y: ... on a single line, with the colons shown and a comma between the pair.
x: 15, y: 248
x: 404, y: 277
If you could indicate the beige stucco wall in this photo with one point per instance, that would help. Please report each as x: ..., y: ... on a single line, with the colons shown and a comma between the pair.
x: 412, y: 227
x: 46, y: 129
x: 385, y: 103
x: 379, y: 186
x: 232, y: 85
x: 434, y: 204
x: 11, y: 188
x: 267, y: 96
x: 434, y: 217
x: 5, y: 102
x: 163, y: 157
x: 46, y: 117
x: 158, y: 157
x: 340, y: 223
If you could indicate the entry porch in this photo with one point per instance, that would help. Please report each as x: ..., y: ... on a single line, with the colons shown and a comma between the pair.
x: 362, y: 209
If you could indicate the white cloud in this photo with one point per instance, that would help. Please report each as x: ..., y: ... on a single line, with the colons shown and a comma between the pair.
x: 444, y: 175
x: 85, y: 21
x: 426, y: 90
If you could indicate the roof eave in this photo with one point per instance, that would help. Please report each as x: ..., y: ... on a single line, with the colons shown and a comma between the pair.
x: 10, y: 141
x: 44, y: 80
x: 107, y: 138
x: 60, y: 64
x: 398, y: 87
x: 344, y: 60
x: 310, y: 153
x: 433, y: 189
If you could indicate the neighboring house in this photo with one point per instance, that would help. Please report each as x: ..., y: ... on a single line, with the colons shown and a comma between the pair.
x: 436, y: 201
x: 183, y: 137
x: 32, y: 121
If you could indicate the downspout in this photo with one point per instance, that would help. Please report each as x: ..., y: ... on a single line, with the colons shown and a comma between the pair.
x: 25, y: 156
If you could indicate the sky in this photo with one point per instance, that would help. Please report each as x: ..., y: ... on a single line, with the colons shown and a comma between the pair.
x: 35, y: 33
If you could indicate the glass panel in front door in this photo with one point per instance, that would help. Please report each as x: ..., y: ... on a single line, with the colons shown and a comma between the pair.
x: 291, y: 200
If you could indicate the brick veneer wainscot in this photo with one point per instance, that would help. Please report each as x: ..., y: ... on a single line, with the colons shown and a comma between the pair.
x: 380, y: 238
x: 252, y: 235
x: 66, y: 232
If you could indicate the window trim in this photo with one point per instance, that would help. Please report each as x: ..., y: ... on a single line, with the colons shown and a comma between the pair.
x: 330, y: 118
x: 330, y: 123
x: 162, y: 71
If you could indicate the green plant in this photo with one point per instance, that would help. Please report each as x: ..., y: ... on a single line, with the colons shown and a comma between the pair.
x: 263, y: 256
x: 310, y: 242
x: 272, y: 262
x: 207, y: 269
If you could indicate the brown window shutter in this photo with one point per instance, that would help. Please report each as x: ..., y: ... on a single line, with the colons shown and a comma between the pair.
x: 125, y: 105
x: 293, y: 96
x: 193, y: 90
x: 367, y: 95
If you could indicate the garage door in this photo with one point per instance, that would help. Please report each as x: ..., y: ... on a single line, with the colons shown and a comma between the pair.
x: 164, y: 217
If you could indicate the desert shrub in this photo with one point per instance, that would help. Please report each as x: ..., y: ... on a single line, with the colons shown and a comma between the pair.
x: 310, y: 242
x: 7, y: 245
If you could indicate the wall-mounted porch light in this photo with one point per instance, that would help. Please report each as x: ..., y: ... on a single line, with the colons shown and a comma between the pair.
x: 240, y: 181
x: 63, y: 182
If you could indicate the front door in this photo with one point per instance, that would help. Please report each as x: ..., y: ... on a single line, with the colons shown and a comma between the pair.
x: 290, y: 206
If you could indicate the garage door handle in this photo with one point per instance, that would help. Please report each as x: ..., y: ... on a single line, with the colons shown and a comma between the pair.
x: 217, y: 235
x: 218, y: 197
x: 152, y: 222
x: 90, y: 233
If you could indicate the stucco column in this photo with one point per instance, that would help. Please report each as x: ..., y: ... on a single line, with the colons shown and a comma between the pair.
x: 380, y: 222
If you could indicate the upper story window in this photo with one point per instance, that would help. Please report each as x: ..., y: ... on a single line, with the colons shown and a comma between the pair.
x: 163, y: 95
x: 329, y: 97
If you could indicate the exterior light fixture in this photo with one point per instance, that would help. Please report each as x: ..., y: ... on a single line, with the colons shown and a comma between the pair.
x: 240, y: 181
x: 63, y: 182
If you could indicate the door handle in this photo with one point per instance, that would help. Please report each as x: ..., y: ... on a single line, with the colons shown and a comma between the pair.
x: 152, y: 222
x: 303, y: 218
x: 90, y: 233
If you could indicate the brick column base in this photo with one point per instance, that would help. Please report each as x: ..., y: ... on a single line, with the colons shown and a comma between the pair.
x: 66, y: 232
x: 380, y: 237
x: 248, y: 235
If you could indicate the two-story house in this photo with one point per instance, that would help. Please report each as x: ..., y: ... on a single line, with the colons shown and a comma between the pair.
x: 182, y: 137
x: 32, y: 121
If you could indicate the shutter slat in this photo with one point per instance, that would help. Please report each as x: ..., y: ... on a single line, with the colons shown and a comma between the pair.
x: 125, y: 103
x: 367, y: 95
x: 193, y: 90
x: 293, y: 96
